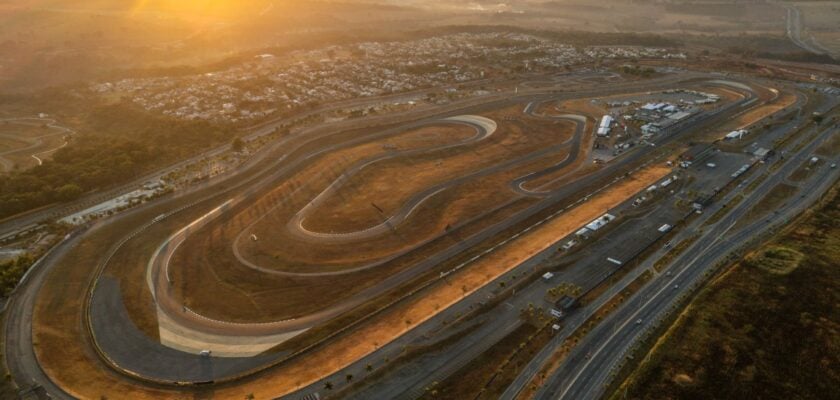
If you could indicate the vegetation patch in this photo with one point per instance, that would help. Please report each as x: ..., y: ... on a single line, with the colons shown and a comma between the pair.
x: 774, y: 199
x: 12, y: 271
x: 830, y: 147
x: 128, y: 142
x: 775, y: 259
x: 680, y: 247
x: 754, y: 332
x: 488, y: 375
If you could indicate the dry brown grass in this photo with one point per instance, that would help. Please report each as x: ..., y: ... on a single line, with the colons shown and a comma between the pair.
x: 59, y: 335
x: 9, y: 144
x: 774, y: 199
x: 389, y: 184
x: 780, y: 304
x: 500, y: 364
x: 765, y: 111
x: 61, y: 342
x: 216, y: 285
x: 830, y: 148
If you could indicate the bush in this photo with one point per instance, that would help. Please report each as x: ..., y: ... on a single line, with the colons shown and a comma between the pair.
x: 12, y: 271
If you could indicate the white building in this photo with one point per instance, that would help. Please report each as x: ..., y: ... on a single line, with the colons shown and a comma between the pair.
x: 736, y: 134
x: 600, y: 222
x: 604, y: 127
x: 650, y: 129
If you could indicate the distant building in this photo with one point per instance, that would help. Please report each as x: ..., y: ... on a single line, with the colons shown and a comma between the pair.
x: 762, y: 153
x: 736, y: 134
x: 564, y: 306
x: 650, y: 129
x: 604, y: 127
x: 600, y: 222
x: 650, y: 107
x: 677, y: 116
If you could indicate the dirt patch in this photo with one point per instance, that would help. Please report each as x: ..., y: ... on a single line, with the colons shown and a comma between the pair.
x: 404, y: 317
x: 213, y: 283
x: 486, y: 376
x: 759, y: 113
x: 805, y: 170
x: 774, y: 199
x: 776, y: 259
x: 830, y: 148
x: 380, y: 190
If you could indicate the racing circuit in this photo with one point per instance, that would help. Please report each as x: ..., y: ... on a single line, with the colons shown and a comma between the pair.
x: 171, y: 311
x: 334, y: 230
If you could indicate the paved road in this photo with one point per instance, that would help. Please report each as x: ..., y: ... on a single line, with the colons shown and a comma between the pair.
x: 396, y: 279
x: 579, y: 317
x: 484, y: 129
x: 31, y: 288
x: 56, y: 211
x: 588, y: 369
x: 32, y: 142
x: 407, y: 384
x: 177, y: 315
x: 19, y: 350
x: 30, y: 219
x: 794, y: 32
x: 588, y: 269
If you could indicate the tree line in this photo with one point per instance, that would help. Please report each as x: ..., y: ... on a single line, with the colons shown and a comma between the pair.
x: 120, y: 143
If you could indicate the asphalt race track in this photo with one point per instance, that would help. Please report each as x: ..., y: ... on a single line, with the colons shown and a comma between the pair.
x: 239, y: 348
x: 184, y: 322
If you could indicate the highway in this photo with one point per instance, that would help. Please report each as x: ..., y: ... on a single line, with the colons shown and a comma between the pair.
x: 493, y: 325
x: 446, y: 363
x: 588, y: 369
x: 576, y: 320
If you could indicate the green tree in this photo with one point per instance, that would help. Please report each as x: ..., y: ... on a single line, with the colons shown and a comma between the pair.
x: 70, y: 191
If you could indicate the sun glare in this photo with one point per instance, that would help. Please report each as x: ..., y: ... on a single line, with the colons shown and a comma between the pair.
x: 219, y: 8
